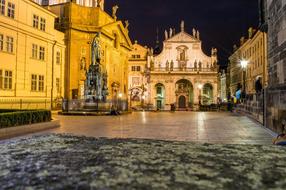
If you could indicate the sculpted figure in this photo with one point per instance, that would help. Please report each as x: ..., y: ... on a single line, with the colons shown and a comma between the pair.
x: 126, y: 24
x: 182, y: 25
x: 114, y: 11
x: 198, y: 35
x: 171, y: 32
x: 166, y: 35
x: 194, y: 32
x: 96, y: 55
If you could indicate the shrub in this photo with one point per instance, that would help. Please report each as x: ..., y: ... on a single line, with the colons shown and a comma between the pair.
x: 16, y: 118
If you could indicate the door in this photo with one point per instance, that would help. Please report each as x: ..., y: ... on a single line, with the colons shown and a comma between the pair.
x: 159, y: 104
x: 182, y: 102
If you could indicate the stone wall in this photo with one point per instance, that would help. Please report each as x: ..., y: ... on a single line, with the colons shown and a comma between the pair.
x: 276, y: 92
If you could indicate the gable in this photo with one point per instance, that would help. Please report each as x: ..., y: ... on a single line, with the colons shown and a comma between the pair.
x: 182, y: 37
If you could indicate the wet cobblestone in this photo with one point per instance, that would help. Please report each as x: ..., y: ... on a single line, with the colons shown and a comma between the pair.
x: 70, y: 162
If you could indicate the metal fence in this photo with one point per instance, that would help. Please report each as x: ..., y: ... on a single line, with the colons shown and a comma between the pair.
x: 28, y: 104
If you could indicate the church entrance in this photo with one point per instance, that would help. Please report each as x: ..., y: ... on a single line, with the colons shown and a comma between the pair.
x: 182, y: 102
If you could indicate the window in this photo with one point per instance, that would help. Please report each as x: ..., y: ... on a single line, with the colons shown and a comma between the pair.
x: 34, y: 51
x: 11, y: 10
x: 58, y: 58
x: 1, y: 79
x: 41, y: 83
x: 58, y: 84
x: 10, y: 44
x: 133, y: 68
x: 43, y: 24
x: 1, y: 42
x: 2, y: 7
x: 42, y: 53
x: 136, y: 68
x: 8, y: 80
x: 159, y: 90
x: 34, y: 83
x: 35, y: 21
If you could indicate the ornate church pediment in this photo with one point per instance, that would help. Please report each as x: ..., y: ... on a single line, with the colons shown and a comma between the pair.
x: 182, y: 37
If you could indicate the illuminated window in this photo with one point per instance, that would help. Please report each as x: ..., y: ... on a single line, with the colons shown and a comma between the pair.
x: 11, y: 10
x: 35, y: 21
x: 10, y: 44
x: 34, y: 83
x: 41, y: 83
x: 2, y: 7
x: 1, y: 79
x: 159, y: 90
x: 43, y: 24
x: 34, y: 51
x: 1, y: 42
x: 42, y: 53
x: 8, y: 80
x: 58, y: 58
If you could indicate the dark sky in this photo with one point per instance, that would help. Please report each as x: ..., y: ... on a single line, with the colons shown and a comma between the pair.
x: 221, y: 22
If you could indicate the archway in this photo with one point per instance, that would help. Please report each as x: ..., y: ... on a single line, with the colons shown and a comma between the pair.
x: 207, y: 95
x: 160, y: 96
x: 185, y: 88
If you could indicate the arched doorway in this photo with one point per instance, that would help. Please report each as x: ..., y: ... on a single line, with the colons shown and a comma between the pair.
x: 184, y: 94
x: 182, y: 102
x: 207, y: 94
x: 160, y: 96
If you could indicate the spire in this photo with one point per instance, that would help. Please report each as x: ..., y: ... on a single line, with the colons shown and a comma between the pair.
x: 157, y: 45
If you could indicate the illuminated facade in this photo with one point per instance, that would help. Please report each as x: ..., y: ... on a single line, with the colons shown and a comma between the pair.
x: 32, y: 52
x: 81, y: 24
x: 254, y: 51
x: 182, y: 74
x: 138, y: 84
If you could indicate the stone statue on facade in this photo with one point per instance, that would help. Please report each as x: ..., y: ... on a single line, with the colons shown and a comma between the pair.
x: 114, y: 11
x: 194, y: 32
x: 96, y: 48
x: 172, y: 66
x: 171, y: 33
x: 98, y: 2
x: 167, y: 66
x: 126, y: 24
x: 83, y: 64
x: 183, y: 26
x: 166, y: 35
x: 198, y: 35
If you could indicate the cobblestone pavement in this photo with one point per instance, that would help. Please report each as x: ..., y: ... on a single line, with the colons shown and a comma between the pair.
x: 69, y: 162
x: 180, y: 126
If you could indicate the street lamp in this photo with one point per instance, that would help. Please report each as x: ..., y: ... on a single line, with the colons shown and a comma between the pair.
x: 120, y: 95
x: 243, y: 64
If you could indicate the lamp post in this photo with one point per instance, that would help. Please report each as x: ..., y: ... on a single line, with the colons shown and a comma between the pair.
x: 120, y: 95
x: 244, y: 64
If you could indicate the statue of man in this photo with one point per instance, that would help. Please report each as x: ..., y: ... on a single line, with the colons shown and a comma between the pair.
x: 166, y: 35
x: 194, y: 32
x: 183, y: 26
x: 98, y: 2
x: 126, y: 24
x: 114, y: 11
x: 171, y: 32
x: 96, y: 55
x: 198, y: 35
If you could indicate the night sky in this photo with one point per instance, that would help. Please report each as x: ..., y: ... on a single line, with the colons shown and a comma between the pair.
x: 221, y: 22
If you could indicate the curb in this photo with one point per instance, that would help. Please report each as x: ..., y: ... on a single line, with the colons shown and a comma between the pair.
x: 10, y: 132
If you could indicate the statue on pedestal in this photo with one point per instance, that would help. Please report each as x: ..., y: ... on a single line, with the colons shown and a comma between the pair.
x: 114, y: 11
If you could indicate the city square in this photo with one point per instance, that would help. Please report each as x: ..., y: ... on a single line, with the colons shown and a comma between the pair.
x: 111, y: 94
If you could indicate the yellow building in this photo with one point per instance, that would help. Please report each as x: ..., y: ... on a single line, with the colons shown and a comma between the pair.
x: 254, y: 51
x: 137, y: 75
x: 32, y: 55
x: 81, y: 24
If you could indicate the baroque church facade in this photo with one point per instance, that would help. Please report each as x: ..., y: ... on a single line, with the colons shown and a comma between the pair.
x: 82, y: 21
x: 182, y: 74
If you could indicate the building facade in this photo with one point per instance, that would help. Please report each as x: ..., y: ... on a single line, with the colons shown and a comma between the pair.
x: 32, y: 54
x: 222, y: 86
x: 252, y: 49
x: 81, y: 24
x: 273, y: 17
x: 182, y: 74
x: 138, y: 80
